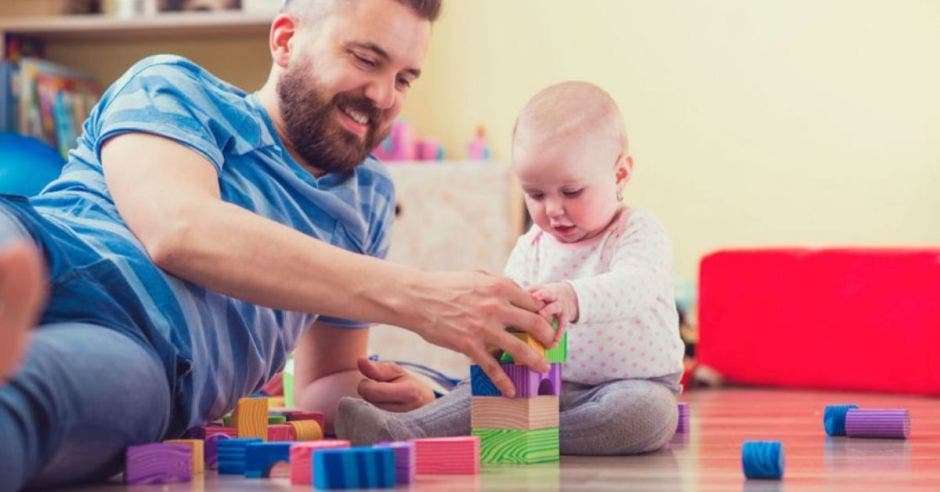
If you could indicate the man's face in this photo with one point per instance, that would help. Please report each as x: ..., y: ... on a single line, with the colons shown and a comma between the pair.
x: 347, y: 80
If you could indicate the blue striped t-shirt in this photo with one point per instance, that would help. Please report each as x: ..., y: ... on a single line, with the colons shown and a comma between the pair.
x: 216, y: 348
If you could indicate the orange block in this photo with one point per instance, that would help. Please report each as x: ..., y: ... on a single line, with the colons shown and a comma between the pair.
x: 306, y: 430
x: 251, y: 418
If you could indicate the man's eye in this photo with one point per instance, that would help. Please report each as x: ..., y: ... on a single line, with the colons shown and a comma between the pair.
x: 404, y: 83
x: 365, y: 61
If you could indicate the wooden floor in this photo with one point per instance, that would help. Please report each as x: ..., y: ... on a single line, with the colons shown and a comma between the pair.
x: 709, y: 458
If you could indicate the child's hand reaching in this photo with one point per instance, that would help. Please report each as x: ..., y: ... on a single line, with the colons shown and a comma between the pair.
x: 561, y: 302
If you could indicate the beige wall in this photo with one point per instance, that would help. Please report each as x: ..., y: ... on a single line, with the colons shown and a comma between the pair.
x: 753, y: 123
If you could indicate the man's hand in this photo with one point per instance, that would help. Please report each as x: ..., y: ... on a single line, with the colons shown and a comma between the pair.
x: 470, y: 312
x: 389, y: 387
x: 561, y: 303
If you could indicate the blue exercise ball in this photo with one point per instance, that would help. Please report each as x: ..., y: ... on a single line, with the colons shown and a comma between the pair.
x: 27, y: 164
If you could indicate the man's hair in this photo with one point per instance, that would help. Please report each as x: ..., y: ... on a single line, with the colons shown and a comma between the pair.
x: 425, y: 9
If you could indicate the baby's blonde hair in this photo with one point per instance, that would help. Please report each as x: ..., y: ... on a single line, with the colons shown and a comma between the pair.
x: 567, y: 110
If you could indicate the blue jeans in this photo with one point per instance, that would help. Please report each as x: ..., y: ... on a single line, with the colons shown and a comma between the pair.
x: 83, y: 394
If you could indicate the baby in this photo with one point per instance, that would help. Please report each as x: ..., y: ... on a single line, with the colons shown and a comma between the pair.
x: 603, y: 271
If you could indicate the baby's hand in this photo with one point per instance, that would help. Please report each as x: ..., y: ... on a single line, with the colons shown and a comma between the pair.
x: 561, y: 302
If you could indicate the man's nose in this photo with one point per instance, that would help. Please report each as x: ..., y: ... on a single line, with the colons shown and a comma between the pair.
x: 381, y: 92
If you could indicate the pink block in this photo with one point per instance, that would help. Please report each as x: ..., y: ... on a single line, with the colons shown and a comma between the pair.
x: 158, y: 463
x: 280, y: 432
x: 301, y: 469
x: 447, y: 455
x: 305, y: 415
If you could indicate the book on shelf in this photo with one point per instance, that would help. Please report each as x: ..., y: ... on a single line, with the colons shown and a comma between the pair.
x: 46, y: 100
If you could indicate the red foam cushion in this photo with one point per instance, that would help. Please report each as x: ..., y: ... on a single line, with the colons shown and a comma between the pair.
x: 853, y: 319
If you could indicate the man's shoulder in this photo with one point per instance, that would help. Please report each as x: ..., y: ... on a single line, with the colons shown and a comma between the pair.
x: 373, y: 174
x: 175, y: 74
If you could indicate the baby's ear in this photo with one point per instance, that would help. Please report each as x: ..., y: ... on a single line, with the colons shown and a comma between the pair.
x: 624, y: 168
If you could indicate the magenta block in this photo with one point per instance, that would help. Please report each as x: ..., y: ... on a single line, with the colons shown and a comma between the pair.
x: 404, y: 460
x: 158, y: 463
x: 884, y: 423
x: 683, y: 425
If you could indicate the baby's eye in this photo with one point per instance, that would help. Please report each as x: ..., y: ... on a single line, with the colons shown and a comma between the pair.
x: 535, y: 196
x: 572, y: 193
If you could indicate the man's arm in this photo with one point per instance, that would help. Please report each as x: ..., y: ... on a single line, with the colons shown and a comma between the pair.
x: 169, y: 196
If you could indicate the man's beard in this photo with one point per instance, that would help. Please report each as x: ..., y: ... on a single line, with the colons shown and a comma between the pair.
x: 312, y: 131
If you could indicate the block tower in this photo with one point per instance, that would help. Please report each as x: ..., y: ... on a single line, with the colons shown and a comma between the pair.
x: 523, y: 429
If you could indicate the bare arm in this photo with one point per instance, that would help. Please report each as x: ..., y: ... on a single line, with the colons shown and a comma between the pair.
x: 169, y: 196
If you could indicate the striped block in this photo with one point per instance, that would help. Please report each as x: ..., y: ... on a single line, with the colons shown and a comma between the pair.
x: 556, y: 354
x: 158, y: 463
x: 880, y: 423
x: 196, y: 447
x: 251, y: 418
x: 305, y: 415
x: 404, y: 460
x: 539, y: 412
x: 447, y: 455
x: 518, y: 446
x: 281, y: 433
x: 301, y: 465
x: 260, y: 457
x: 762, y: 459
x: 230, y: 454
x: 210, y: 449
x: 834, y: 418
x: 306, y: 430
x: 354, y: 468
x: 528, y: 383
x: 682, y: 426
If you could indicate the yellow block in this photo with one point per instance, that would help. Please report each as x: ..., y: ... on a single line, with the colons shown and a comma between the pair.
x: 197, y: 449
x: 306, y: 430
x: 251, y: 418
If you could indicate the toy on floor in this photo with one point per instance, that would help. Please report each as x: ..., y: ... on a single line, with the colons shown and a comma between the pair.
x: 852, y: 421
x: 405, y: 468
x: 158, y: 463
x: 354, y: 468
x: 447, y: 455
x: 301, y: 464
x: 683, y: 426
x: 523, y: 429
x: 762, y: 459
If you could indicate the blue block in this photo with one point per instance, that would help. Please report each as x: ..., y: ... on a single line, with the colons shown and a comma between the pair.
x: 261, y: 456
x: 834, y: 419
x: 480, y: 383
x: 231, y: 455
x: 354, y: 468
x: 762, y: 459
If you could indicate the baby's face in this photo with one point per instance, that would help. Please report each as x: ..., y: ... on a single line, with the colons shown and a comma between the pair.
x: 570, y: 186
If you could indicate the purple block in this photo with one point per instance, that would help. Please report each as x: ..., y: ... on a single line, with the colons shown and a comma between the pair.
x: 683, y: 426
x: 404, y: 460
x: 530, y: 383
x: 211, y: 449
x: 885, y: 423
x: 158, y: 463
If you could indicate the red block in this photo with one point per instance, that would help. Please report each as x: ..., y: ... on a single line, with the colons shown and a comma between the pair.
x: 447, y: 455
x: 850, y: 319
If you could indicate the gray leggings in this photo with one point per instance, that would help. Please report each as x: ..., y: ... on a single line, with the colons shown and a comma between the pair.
x: 621, y: 417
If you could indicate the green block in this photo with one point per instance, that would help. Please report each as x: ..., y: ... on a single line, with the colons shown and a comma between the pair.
x: 556, y: 354
x: 518, y: 446
x: 227, y: 420
x: 277, y: 419
x: 287, y: 381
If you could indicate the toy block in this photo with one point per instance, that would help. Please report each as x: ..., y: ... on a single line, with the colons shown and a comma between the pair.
x: 276, y: 419
x: 260, y: 457
x: 762, y: 459
x: 305, y: 415
x: 878, y: 423
x: 518, y: 446
x: 281, y: 433
x: 539, y: 412
x: 158, y: 463
x: 834, y: 418
x: 228, y: 420
x: 682, y: 426
x: 287, y: 382
x: 528, y: 383
x: 203, y: 431
x: 301, y: 465
x: 210, y: 448
x: 230, y: 455
x: 276, y: 402
x: 404, y: 460
x: 447, y: 455
x: 196, y: 447
x: 556, y: 354
x: 306, y: 430
x: 251, y: 418
x: 354, y: 468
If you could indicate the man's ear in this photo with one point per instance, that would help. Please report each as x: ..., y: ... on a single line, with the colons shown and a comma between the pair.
x: 280, y: 39
x: 624, y: 168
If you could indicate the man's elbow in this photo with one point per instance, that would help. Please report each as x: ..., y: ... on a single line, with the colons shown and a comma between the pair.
x: 171, y: 246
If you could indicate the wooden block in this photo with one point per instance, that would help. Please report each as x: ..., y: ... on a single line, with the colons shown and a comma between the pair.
x: 354, y: 468
x: 281, y: 433
x: 528, y: 382
x: 305, y: 415
x: 404, y: 461
x: 231, y: 453
x: 158, y: 463
x: 447, y: 455
x: 277, y: 419
x: 306, y: 430
x: 196, y: 446
x: 260, y: 457
x: 251, y: 418
x: 301, y: 466
x: 556, y: 354
x: 276, y: 402
x: 539, y: 412
x: 518, y: 446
